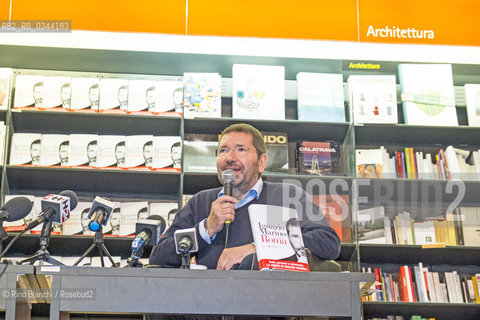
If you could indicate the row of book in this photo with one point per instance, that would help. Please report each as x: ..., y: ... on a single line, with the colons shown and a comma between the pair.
x: 419, y: 284
x: 460, y: 227
x: 448, y: 163
x: 399, y: 317
x: 121, y: 223
x: 258, y: 93
x: 97, y: 151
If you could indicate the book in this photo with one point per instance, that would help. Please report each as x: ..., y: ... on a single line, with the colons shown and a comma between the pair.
x: 26, y: 149
x: 113, y: 95
x: 166, y: 209
x: 77, y: 224
x: 258, y: 92
x: 28, y: 91
x: 427, y: 94
x: 130, y: 212
x: 336, y: 208
x: 320, y: 97
x: 167, y: 152
x: 276, y: 144
x: 424, y: 232
x: 318, y: 158
x: 373, y: 99
x: 155, y: 96
x: 371, y: 225
x: 470, y: 219
x: 202, y: 95
x: 472, y: 97
x: 111, y: 151
x: 278, y: 238
x: 139, y: 151
x: 19, y: 225
x: 55, y: 150
x: 57, y: 93
x: 199, y: 152
x: 83, y: 150
x: 3, y: 134
x: 85, y: 94
x: 369, y: 163
x: 5, y: 75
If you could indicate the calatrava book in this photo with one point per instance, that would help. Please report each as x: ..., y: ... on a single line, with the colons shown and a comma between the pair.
x: 278, y: 238
x: 318, y: 158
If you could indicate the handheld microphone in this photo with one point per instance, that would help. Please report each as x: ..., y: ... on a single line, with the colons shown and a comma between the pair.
x: 99, y: 213
x: 228, y: 177
x: 13, y: 210
x: 186, y: 240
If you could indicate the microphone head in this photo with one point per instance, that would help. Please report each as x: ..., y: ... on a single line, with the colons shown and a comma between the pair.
x: 72, y: 196
x: 163, y: 224
x: 228, y: 176
x: 17, y: 208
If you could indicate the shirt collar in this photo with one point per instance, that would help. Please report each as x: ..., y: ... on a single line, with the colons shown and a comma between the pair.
x: 256, y: 189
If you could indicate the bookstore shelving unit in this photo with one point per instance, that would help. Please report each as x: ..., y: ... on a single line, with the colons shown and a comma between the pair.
x: 158, y: 186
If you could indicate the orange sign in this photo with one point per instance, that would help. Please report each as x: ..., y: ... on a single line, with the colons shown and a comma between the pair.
x: 4, y: 9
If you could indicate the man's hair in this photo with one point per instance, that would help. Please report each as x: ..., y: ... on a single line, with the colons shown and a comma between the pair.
x: 120, y: 144
x: 91, y: 143
x: 175, y: 145
x: 64, y: 143
x: 38, y: 84
x: 293, y: 222
x: 148, y: 143
x: 93, y: 86
x: 66, y: 85
x: 37, y: 141
x: 257, y: 138
x: 150, y: 89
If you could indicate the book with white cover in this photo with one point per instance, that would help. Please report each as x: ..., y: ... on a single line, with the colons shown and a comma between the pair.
x: 55, y: 148
x: 369, y: 163
x: 57, y: 92
x: 427, y: 94
x: 83, y: 150
x: 78, y: 222
x: 278, y: 238
x: 5, y: 74
x: 373, y: 99
x: 424, y: 232
x: 139, y: 151
x: 19, y: 225
x: 113, y: 95
x: 26, y: 148
x: 28, y: 91
x: 320, y: 97
x: 167, y: 152
x: 142, y: 95
x: 167, y: 210
x: 258, y: 92
x: 130, y: 212
x: 472, y: 97
x: 202, y: 95
x: 470, y: 217
x: 371, y: 225
x: 111, y: 151
x: 113, y: 227
x: 85, y: 94
x: 170, y: 95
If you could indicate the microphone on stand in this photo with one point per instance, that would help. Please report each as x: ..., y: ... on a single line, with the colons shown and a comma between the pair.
x: 15, y: 209
x: 228, y: 177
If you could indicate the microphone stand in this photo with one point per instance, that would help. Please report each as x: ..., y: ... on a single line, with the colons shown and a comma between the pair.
x: 98, y: 243
x: 133, y: 259
x: 185, y: 260
x: 42, y: 254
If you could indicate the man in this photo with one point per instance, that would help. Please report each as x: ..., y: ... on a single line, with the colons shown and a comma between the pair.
x: 35, y: 151
x: 294, y: 233
x: 148, y: 153
x: 122, y: 98
x: 63, y: 153
x: 176, y: 155
x: 150, y: 97
x: 38, y: 94
x: 65, y: 95
x: 94, y: 97
x: 178, y: 99
x: 241, y: 148
x: 115, y: 219
x: 120, y: 150
x: 92, y: 149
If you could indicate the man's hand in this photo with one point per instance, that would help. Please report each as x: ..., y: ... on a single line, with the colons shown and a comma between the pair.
x: 222, y: 209
x: 235, y: 255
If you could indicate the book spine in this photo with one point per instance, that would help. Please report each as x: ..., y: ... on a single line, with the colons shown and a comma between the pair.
x: 408, y: 164
x: 399, y: 165
x: 413, y: 164
x: 445, y: 165
x: 404, y: 166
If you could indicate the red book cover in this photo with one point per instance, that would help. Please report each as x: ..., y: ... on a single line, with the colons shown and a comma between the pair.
x: 378, y: 286
x: 408, y: 273
x: 402, y: 285
x: 399, y: 165
x: 337, y: 211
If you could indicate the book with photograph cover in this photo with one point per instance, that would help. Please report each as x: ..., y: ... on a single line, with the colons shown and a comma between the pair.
x: 318, y: 158
x: 26, y: 149
x: 371, y: 225
x: 113, y: 95
x: 373, y: 98
x: 130, y: 212
x: 320, y: 97
x: 369, y: 163
x: 83, y: 150
x: 28, y: 91
x: 57, y: 93
x: 111, y: 151
x: 5, y: 74
x: 113, y: 226
x: 202, y: 95
x: 55, y: 150
x: 258, y: 92
x: 199, y: 152
x: 155, y: 96
x: 277, y: 151
x: 78, y: 222
x: 278, y: 238
x: 19, y: 225
x: 428, y: 95
x: 166, y: 209
x: 85, y: 94
x: 170, y: 96
x: 472, y: 97
x: 336, y: 208
x: 167, y: 152
x: 139, y: 151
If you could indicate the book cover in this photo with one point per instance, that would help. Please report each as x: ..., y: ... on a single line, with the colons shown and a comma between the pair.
x: 277, y: 151
x: 85, y: 94
x: 139, y: 151
x: 278, y: 238
x: 318, y: 158
x: 3, y: 133
x: 167, y: 152
x: 166, y: 209
x: 113, y: 226
x: 130, y: 212
x: 336, y: 208
x: 373, y: 99
x: 199, y: 152
x: 55, y: 150
x: 470, y: 219
x: 111, y: 151
x: 170, y: 96
x: 83, y: 150
x: 320, y: 97
x: 28, y: 91
x: 424, y: 232
x: 369, y: 163
x: 428, y: 96
x: 26, y: 149
x: 202, y: 95
x: 5, y: 74
x: 113, y: 95
x: 57, y: 93
x: 472, y: 97
x: 155, y: 96
x: 19, y: 225
x: 78, y: 222
x: 258, y: 92
x: 371, y: 225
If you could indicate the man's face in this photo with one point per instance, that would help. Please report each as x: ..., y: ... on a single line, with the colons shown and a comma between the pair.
x: 38, y: 94
x: 115, y: 220
x: 84, y: 219
x: 148, y: 154
x: 65, y: 95
x: 35, y: 153
x: 236, y: 152
x: 178, y: 98
x: 123, y: 97
x: 63, y: 153
x: 142, y: 214
x: 295, y: 237
x: 92, y: 153
x: 120, y: 154
x: 176, y: 155
x: 150, y: 97
x: 93, y: 95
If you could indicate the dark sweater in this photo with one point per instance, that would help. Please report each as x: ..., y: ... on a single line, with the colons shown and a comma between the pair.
x: 318, y: 236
